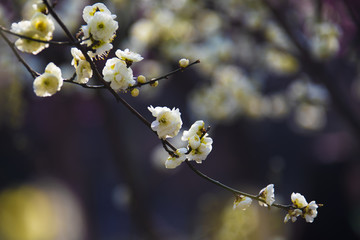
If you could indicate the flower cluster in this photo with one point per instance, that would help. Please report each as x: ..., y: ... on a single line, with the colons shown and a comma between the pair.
x: 100, y: 29
x: 40, y: 27
x: 117, y: 70
x: 49, y: 82
x: 200, y: 145
x: 168, y: 124
x: 301, y: 208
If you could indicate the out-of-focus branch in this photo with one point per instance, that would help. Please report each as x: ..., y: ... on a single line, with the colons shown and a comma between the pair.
x: 33, y: 73
x: 318, y: 72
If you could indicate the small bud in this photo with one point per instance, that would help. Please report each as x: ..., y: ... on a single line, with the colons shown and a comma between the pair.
x: 135, y: 92
x: 154, y: 84
x: 141, y: 79
x: 184, y: 62
x: 41, y: 7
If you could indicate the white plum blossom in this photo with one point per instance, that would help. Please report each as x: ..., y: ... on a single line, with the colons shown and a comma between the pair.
x: 128, y: 56
x: 40, y: 27
x: 199, y: 154
x: 302, y: 208
x: 82, y: 67
x: 196, y: 129
x: 168, y: 122
x: 242, y: 202
x: 310, y: 212
x: 119, y: 76
x: 43, y: 25
x: 199, y: 142
x: 174, y: 161
x: 194, y: 141
x: 49, y: 82
x: 100, y: 29
x: 292, y: 214
x: 267, y: 194
x: 298, y: 200
x: 89, y: 11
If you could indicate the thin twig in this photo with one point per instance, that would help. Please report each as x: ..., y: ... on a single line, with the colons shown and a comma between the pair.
x: 84, y: 85
x: 34, y: 39
x: 33, y: 73
x: 164, y: 76
x: 58, y: 20
x: 235, y: 191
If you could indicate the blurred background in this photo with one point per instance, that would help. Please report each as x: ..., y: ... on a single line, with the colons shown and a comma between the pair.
x: 278, y: 82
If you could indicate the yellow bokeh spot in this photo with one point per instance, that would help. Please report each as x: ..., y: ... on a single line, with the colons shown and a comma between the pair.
x: 26, y: 214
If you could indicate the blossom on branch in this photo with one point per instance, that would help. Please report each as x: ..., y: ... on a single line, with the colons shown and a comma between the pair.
x: 267, y: 194
x: 174, y: 161
x: 49, y: 82
x: 89, y: 11
x: 128, y: 56
x: 40, y: 27
x: 100, y: 29
x: 119, y: 76
x: 242, y: 202
x: 82, y: 67
x: 168, y: 122
x: 199, y: 142
x: 301, y: 208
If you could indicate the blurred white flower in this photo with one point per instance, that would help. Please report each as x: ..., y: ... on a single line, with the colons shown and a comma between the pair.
x: 183, y: 63
x: 43, y: 24
x: 49, y: 82
x: 325, y: 42
x: 168, y: 122
x: 242, y: 202
x: 39, y: 27
x: 292, y: 214
x: 310, y: 116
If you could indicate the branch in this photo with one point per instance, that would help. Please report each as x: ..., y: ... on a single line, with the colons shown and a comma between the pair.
x: 58, y: 20
x: 164, y: 76
x: 34, y: 39
x: 232, y: 190
x: 33, y: 73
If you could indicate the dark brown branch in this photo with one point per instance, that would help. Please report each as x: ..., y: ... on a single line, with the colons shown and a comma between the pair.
x: 33, y: 73
x: 164, y: 76
x: 34, y: 39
